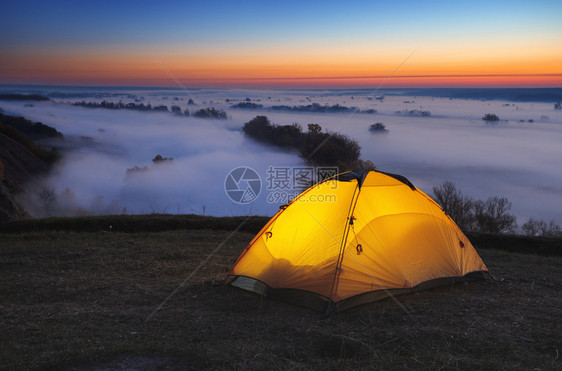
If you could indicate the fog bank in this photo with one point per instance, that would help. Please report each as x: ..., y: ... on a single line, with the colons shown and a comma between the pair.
x: 517, y: 158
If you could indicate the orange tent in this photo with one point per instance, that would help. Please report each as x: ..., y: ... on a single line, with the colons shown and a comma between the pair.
x: 355, y: 238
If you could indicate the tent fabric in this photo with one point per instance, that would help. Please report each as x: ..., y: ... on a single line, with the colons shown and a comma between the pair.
x: 352, y: 239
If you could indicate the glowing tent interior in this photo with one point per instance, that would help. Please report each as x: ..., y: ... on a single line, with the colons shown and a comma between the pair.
x: 355, y: 238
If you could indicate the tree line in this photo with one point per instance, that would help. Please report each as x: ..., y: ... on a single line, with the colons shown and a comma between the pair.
x: 488, y: 216
x: 209, y: 112
x: 314, y: 146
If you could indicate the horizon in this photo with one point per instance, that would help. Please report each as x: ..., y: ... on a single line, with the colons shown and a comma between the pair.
x: 12, y: 87
x: 294, y: 45
x: 508, y: 81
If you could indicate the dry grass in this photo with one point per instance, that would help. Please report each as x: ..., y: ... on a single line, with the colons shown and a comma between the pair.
x: 81, y: 300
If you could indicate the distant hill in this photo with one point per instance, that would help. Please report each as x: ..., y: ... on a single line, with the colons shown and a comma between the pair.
x: 550, y: 95
x: 34, y: 97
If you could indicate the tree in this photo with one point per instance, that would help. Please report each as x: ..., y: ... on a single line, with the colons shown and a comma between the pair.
x: 48, y: 199
x: 490, y: 117
x: 314, y: 128
x: 366, y: 165
x: 378, y: 127
x: 540, y: 228
x: 329, y: 149
x: 326, y: 149
x: 210, y: 112
x: 159, y: 159
x: 259, y: 128
x: 287, y: 135
x: 492, y: 215
x: 457, y: 206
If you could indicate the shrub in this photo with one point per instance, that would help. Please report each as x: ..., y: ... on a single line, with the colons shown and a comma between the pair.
x: 136, y: 169
x: 489, y: 216
x: 314, y: 128
x: 176, y: 110
x: 490, y: 117
x: 247, y: 105
x: 159, y: 159
x: 210, y: 112
x: 160, y: 108
x: 540, y: 228
x: 378, y: 127
x: 414, y: 112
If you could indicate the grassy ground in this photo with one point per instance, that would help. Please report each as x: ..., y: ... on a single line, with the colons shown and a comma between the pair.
x: 81, y: 300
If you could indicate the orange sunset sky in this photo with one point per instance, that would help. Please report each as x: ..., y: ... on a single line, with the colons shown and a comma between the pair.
x: 260, y: 44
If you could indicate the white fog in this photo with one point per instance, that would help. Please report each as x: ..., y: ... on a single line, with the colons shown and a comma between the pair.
x: 515, y: 158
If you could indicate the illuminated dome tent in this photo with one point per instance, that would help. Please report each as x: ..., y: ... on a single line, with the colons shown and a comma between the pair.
x: 355, y: 238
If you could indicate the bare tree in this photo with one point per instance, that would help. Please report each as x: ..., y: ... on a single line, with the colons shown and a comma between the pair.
x: 48, y: 199
x: 541, y: 228
x: 492, y: 215
x: 457, y: 206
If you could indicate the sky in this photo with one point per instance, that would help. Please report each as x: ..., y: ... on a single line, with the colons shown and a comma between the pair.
x: 282, y: 44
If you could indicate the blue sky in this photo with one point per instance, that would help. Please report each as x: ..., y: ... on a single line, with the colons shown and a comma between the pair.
x: 291, y: 27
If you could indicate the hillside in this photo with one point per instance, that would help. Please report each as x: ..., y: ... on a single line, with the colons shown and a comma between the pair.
x: 22, y: 160
x: 9, y: 207
x: 20, y: 166
x: 114, y: 300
